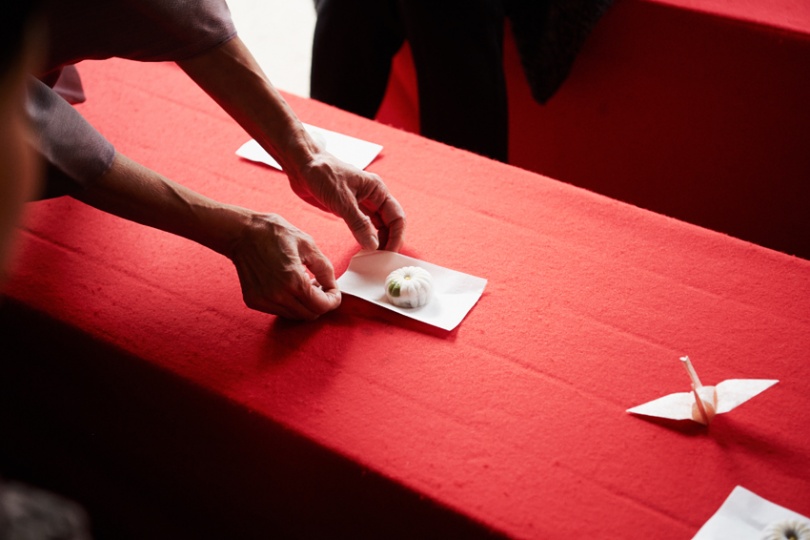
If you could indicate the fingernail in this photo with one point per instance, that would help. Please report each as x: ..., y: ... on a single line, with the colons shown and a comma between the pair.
x: 373, y: 242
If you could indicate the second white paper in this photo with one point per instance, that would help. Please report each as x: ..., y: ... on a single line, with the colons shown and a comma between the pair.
x: 746, y: 516
x: 352, y: 150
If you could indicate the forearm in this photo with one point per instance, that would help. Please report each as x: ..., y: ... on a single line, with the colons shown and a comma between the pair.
x: 233, y: 78
x: 230, y: 75
x: 134, y: 192
x: 271, y: 256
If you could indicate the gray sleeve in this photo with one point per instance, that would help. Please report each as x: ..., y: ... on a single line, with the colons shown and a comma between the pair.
x: 145, y: 30
x: 148, y: 30
x: 72, y: 149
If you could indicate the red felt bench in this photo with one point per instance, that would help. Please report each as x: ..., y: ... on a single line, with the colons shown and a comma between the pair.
x: 134, y: 378
x: 696, y: 109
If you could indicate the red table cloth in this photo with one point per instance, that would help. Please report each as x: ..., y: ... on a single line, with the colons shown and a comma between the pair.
x: 369, y: 423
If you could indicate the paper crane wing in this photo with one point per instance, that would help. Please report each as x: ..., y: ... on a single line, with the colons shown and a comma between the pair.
x: 674, y: 406
x: 734, y: 392
x: 730, y: 394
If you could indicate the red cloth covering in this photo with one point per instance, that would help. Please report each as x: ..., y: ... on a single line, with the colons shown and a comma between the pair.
x: 787, y: 16
x: 514, y: 421
x: 695, y: 109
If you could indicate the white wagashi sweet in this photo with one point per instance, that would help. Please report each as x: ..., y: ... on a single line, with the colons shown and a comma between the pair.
x: 409, y: 287
x: 791, y: 529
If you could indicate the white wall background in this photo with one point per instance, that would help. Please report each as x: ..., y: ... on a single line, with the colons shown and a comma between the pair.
x: 279, y: 34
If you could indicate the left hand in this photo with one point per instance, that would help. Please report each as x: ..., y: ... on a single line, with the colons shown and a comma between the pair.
x: 272, y: 258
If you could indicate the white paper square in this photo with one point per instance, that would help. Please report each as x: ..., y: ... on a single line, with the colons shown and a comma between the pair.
x: 353, y: 151
x: 454, y: 293
x: 744, y: 516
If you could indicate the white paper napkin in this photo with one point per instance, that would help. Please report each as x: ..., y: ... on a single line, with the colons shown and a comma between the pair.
x: 745, y: 516
x: 454, y: 293
x: 354, y: 151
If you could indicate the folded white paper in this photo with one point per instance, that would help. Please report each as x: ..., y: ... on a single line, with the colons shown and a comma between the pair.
x: 679, y: 406
x: 703, y: 402
x: 454, y: 293
x: 746, y: 516
x: 353, y: 151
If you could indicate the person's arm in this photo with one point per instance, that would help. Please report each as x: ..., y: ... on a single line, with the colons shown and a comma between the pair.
x: 230, y: 75
x: 271, y: 256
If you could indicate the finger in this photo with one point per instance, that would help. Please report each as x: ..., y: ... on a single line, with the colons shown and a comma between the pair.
x: 360, y: 225
x: 317, y: 263
x: 323, y: 295
x: 386, y: 213
x: 291, y: 301
x: 295, y: 307
x: 393, y: 218
x: 321, y: 301
x: 303, y: 300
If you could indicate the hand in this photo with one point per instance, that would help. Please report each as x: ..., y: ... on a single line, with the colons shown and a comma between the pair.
x: 375, y: 218
x: 272, y: 258
x: 231, y: 75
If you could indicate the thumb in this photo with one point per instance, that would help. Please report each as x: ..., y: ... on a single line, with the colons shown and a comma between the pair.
x: 324, y: 294
x: 319, y: 265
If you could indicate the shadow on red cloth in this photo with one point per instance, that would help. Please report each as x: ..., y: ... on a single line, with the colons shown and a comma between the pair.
x: 152, y: 456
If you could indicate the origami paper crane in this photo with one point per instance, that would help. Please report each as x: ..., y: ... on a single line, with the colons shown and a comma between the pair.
x: 703, y: 402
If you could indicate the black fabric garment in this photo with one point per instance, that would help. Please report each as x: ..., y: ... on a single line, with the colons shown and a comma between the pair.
x: 549, y: 36
x: 457, y: 49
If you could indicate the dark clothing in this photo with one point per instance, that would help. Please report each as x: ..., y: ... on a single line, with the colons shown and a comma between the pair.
x: 457, y: 48
x: 549, y: 35
x: 147, y: 30
x: 73, y: 151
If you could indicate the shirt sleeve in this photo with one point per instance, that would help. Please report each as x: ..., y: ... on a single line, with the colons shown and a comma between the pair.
x: 145, y: 30
x: 74, y: 152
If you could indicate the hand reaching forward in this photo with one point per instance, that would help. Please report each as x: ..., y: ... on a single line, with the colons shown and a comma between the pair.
x: 272, y: 258
x: 373, y: 215
x: 231, y: 75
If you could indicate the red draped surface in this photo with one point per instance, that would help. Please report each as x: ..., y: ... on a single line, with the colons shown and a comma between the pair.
x: 513, y: 424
